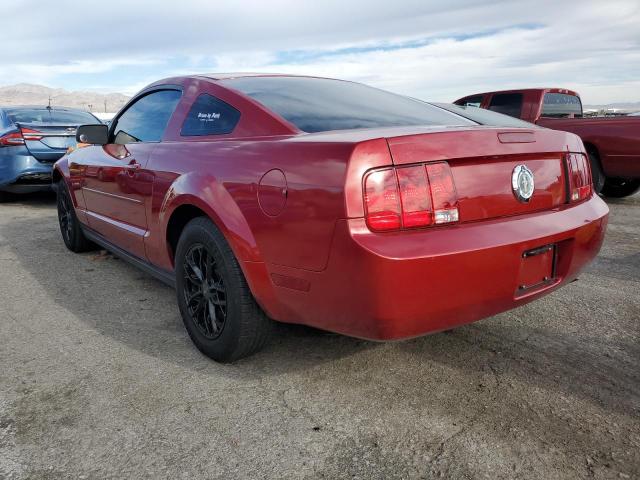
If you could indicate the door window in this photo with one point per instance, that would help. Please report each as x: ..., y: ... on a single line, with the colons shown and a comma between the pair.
x: 507, y: 103
x: 147, y: 119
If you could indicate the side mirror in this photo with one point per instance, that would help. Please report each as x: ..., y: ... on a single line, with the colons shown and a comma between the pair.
x: 93, y: 134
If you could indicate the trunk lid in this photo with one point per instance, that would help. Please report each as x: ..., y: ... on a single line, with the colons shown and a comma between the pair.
x: 48, y: 142
x: 483, y: 161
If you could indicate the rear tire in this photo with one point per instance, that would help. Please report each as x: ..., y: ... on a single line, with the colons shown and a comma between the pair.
x: 217, y: 307
x: 619, y: 188
x: 70, y: 228
x: 596, y: 171
x: 4, y: 196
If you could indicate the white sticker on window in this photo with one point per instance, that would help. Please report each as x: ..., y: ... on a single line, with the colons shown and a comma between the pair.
x: 208, y: 117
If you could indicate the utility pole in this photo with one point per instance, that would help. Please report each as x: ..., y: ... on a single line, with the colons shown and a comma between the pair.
x: 105, y: 105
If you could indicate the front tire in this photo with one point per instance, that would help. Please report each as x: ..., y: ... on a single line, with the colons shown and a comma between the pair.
x: 217, y: 307
x: 70, y: 228
x: 619, y: 188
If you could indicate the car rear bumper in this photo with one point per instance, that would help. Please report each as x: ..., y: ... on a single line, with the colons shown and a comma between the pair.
x: 406, y: 284
x: 23, y: 173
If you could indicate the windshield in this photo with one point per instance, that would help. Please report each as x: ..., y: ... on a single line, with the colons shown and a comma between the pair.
x: 485, y: 117
x: 45, y: 115
x: 319, y: 104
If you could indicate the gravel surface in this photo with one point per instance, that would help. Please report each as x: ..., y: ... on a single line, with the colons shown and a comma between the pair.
x: 98, y: 379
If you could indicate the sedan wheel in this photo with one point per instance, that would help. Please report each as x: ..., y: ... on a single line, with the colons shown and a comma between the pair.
x: 70, y: 228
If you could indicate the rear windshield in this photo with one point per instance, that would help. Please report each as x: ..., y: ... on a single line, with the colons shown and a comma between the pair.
x: 45, y: 115
x: 319, y: 105
x: 561, y: 105
x: 485, y: 117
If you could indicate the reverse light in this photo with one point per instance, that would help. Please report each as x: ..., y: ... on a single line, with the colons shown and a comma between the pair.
x: 410, y: 197
x: 580, y: 183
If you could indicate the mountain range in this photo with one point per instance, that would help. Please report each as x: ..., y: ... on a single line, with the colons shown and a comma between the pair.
x: 29, y: 94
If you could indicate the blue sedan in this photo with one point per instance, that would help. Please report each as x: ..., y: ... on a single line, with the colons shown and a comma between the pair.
x: 32, y: 139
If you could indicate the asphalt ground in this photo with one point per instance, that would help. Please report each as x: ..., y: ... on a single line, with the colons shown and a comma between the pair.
x: 98, y: 379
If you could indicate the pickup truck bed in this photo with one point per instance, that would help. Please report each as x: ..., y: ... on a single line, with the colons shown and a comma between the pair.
x: 613, y: 143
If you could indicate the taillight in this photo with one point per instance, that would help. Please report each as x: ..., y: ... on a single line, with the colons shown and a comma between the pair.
x: 382, y: 200
x: 410, y: 197
x: 30, y: 134
x: 11, y: 139
x: 414, y: 196
x: 17, y: 138
x: 443, y: 192
x: 579, y: 177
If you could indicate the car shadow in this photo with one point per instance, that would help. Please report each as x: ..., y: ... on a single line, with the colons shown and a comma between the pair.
x: 122, y: 303
x: 37, y: 200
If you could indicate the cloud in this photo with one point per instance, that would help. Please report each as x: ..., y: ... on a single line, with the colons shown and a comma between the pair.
x: 428, y: 49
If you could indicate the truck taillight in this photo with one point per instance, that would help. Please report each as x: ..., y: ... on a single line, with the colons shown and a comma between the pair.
x: 580, y: 183
x: 410, y: 197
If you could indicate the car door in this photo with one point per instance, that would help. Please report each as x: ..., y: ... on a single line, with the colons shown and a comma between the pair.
x: 116, y: 184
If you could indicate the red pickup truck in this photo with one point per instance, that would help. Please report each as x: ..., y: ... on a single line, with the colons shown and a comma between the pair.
x: 613, y: 143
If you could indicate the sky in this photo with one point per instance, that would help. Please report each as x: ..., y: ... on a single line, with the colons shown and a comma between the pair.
x: 434, y: 50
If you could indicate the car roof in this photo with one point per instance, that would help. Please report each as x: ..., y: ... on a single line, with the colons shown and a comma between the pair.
x: 229, y: 75
x: 522, y: 90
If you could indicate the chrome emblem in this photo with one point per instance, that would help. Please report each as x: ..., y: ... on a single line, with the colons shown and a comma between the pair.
x: 522, y: 183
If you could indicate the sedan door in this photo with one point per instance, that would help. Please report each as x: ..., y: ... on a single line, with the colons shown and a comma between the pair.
x: 116, y: 184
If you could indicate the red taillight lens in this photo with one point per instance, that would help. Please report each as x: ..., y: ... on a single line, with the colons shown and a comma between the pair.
x: 443, y: 191
x: 579, y: 177
x: 30, y: 134
x: 11, y: 139
x: 415, y: 197
x: 17, y: 138
x: 410, y: 197
x: 382, y: 200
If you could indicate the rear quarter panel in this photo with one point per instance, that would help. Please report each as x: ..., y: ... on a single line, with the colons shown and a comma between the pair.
x: 222, y: 178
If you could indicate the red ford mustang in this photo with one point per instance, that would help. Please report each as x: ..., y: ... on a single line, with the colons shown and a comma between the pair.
x: 328, y: 203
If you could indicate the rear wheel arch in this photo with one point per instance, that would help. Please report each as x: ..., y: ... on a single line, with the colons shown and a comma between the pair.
x: 178, y: 220
x: 256, y: 276
x: 235, y: 230
x: 597, y: 172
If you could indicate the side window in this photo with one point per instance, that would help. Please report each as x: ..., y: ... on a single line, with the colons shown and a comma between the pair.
x: 474, y: 101
x: 507, y: 103
x: 210, y: 116
x: 147, y: 118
